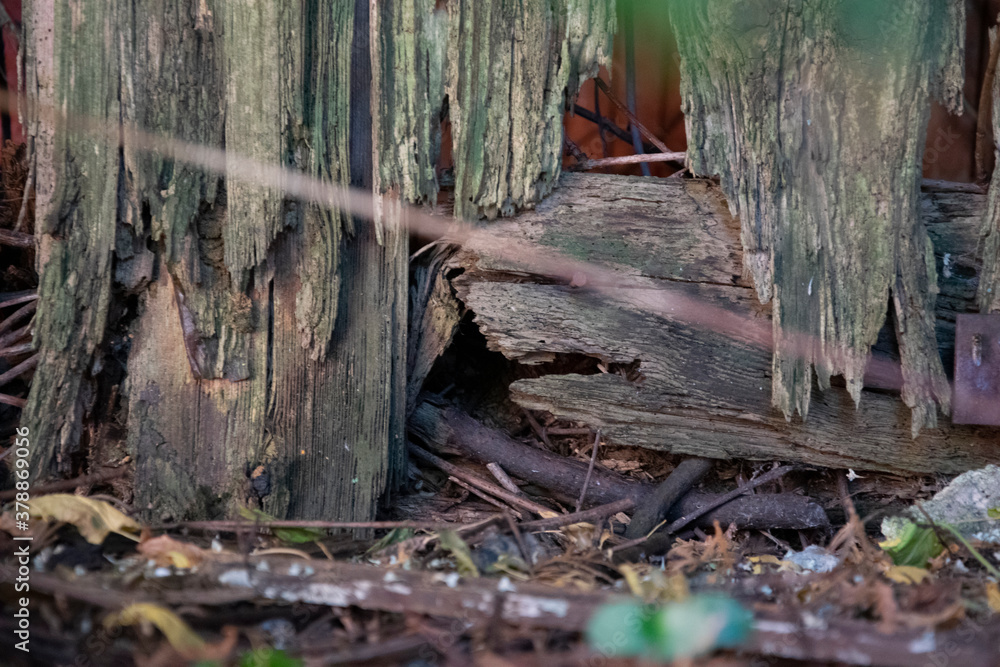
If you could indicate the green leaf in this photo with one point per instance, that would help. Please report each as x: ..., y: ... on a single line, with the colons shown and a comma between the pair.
x: 914, y: 546
x: 267, y: 657
x: 689, y: 628
x: 293, y: 535
x: 993, y: 512
x: 394, y: 536
x: 460, y: 550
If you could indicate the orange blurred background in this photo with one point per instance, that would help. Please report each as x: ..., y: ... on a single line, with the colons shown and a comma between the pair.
x: 950, y: 139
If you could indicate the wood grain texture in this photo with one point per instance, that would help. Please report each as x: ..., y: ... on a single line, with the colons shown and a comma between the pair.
x: 75, y: 218
x: 682, y: 388
x: 270, y: 334
x: 814, y: 117
x: 511, y: 66
x: 989, y: 287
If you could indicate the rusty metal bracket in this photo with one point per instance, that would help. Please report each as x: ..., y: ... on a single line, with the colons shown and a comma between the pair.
x: 977, y: 370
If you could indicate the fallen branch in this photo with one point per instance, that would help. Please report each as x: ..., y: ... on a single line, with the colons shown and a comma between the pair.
x: 18, y: 315
x: 660, y: 541
x: 452, y: 431
x: 13, y: 400
x: 15, y: 350
x: 12, y: 337
x: 586, y: 516
x: 478, y: 481
x: 19, y: 370
x: 657, y: 503
x: 14, y: 298
x: 788, y: 633
x: 70, y: 484
x: 14, y: 239
x: 631, y: 159
x: 235, y: 526
x: 653, y: 139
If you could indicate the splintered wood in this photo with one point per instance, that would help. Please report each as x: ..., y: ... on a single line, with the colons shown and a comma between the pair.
x: 814, y: 118
x: 697, y: 391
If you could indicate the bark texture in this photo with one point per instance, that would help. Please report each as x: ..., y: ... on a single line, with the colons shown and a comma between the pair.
x: 264, y: 339
x: 814, y: 116
x: 511, y: 66
x: 989, y: 283
x: 75, y: 209
x: 674, y: 381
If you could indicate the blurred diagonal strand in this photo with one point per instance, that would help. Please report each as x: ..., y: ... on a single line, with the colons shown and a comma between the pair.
x: 530, y: 258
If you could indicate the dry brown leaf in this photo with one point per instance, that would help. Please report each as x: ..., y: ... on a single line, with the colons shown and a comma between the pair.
x: 687, y: 556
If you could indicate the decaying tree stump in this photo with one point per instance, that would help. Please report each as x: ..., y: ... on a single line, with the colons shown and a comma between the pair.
x: 684, y: 388
x: 814, y: 115
x: 261, y: 342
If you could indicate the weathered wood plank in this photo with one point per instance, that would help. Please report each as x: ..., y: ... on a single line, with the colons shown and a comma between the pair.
x: 74, y: 220
x: 680, y: 388
x: 814, y: 117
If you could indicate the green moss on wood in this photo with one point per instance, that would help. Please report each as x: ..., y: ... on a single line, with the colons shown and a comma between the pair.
x: 327, y: 104
x: 511, y: 66
x: 75, y: 221
x: 814, y: 116
x: 988, y: 296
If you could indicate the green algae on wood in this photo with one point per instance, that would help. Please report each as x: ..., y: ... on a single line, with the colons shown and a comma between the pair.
x: 75, y: 217
x: 672, y: 383
x: 510, y: 68
x: 988, y: 296
x: 814, y: 116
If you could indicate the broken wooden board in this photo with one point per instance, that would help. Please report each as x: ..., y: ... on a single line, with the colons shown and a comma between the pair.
x: 686, y: 389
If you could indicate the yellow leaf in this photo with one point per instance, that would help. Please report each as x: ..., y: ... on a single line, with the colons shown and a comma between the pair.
x: 632, y: 579
x: 605, y: 536
x: 766, y: 558
x: 181, y: 637
x: 460, y: 550
x: 165, y: 550
x: 993, y: 596
x: 93, y: 518
x: 907, y: 574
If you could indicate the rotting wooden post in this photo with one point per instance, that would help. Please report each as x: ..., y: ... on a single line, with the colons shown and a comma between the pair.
x: 260, y: 342
x: 511, y: 67
x: 265, y: 338
x: 815, y: 115
x: 988, y: 295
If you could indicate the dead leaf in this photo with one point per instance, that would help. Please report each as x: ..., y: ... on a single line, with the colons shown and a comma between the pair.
x: 767, y: 559
x: 460, y: 550
x: 180, y: 635
x: 93, y: 518
x: 906, y: 574
x: 714, y: 551
x: 167, y: 551
x: 631, y: 579
x: 211, y: 654
x: 993, y: 596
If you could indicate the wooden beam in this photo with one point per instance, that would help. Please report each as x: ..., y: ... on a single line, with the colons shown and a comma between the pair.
x: 676, y: 387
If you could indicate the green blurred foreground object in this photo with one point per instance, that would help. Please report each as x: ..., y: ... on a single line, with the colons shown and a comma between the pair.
x: 689, y: 628
x: 913, y: 545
